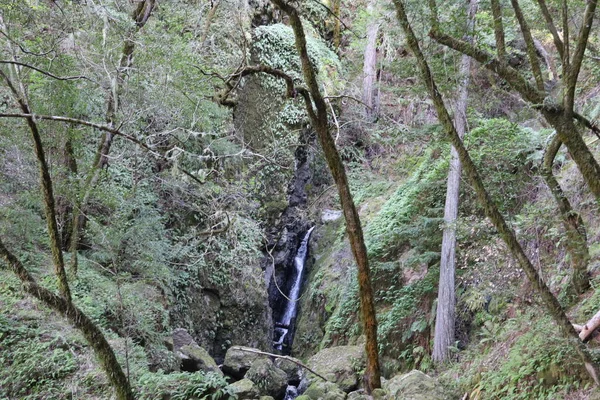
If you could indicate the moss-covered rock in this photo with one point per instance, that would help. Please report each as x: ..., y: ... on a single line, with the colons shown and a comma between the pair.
x: 324, y: 391
x: 269, y: 379
x: 244, y: 390
x: 339, y: 365
x: 292, y: 370
x: 238, y: 362
x: 414, y: 386
x: 195, y: 358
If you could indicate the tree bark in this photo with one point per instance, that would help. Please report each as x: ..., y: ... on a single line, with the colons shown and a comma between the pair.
x: 445, y: 320
x: 319, y: 122
x: 576, y: 234
x: 79, y: 320
x: 370, y: 67
x: 491, y: 210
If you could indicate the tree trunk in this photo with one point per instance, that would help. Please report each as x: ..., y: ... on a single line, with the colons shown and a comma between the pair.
x: 445, y: 315
x: 370, y: 67
x: 319, y: 121
x: 64, y: 206
x: 576, y: 234
x: 548, y: 299
x: 337, y: 34
x: 94, y: 336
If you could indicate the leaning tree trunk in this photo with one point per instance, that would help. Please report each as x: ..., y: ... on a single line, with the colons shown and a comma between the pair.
x: 94, y: 336
x: 370, y: 67
x: 576, y: 243
x: 491, y: 210
x: 445, y: 319
x: 319, y: 121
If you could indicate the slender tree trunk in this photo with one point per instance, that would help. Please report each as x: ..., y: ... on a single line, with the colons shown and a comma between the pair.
x: 209, y: 18
x: 319, y: 121
x: 445, y: 320
x: 337, y: 34
x: 140, y: 16
x: 370, y: 67
x: 79, y: 320
x: 64, y: 206
x: 576, y: 234
x: 547, y: 298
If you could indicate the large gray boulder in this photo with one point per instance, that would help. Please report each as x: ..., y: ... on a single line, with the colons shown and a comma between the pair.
x: 244, y: 390
x: 339, y: 365
x: 270, y: 380
x: 414, y: 385
x: 192, y: 357
x: 324, y: 391
x: 293, y: 370
x: 238, y: 362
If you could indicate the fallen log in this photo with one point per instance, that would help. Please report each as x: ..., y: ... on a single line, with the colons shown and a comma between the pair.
x: 589, y: 327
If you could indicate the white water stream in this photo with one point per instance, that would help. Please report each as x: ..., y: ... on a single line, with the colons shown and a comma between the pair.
x: 292, y: 303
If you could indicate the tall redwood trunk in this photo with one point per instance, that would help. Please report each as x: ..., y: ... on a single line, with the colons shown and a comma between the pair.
x: 370, y: 67
x: 445, y: 319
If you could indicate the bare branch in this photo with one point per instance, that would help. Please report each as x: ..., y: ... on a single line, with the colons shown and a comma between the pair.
x: 551, y: 27
x: 51, y: 75
x: 582, y: 41
x: 531, y: 53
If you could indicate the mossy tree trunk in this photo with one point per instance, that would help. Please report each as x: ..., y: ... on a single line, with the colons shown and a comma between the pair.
x: 92, y: 334
x: 491, y: 210
x: 576, y: 243
x: 319, y: 121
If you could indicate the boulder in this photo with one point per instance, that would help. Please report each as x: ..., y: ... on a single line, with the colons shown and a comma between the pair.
x: 269, y: 379
x: 414, y: 385
x: 378, y: 394
x: 195, y: 358
x: 339, y: 365
x: 192, y: 357
x: 244, y: 390
x: 292, y: 370
x: 324, y: 391
x: 238, y: 362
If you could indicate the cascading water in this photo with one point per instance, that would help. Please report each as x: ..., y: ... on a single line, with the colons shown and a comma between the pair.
x: 282, y: 326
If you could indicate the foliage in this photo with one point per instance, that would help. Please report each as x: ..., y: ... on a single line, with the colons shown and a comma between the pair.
x: 184, y: 386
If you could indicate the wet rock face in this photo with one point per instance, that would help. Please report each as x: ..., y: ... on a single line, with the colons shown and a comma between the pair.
x: 286, y: 236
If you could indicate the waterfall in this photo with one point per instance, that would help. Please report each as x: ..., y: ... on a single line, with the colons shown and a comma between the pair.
x: 283, y: 325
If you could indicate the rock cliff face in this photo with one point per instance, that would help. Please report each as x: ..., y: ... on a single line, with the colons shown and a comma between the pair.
x: 217, y: 318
